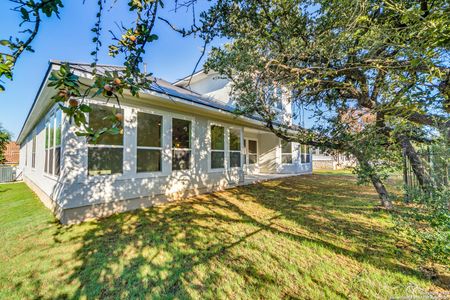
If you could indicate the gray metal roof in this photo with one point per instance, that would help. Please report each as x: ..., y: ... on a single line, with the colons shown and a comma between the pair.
x: 157, y: 85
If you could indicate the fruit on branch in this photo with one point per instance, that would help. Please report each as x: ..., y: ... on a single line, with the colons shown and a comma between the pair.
x: 119, y: 117
x: 63, y: 93
x: 117, y: 81
x: 73, y: 103
x: 132, y: 38
x: 108, y: 88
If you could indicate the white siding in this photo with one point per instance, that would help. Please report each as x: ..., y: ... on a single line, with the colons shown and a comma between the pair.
x: 47, y: 183
x: 80, y: 189
x: 74, y: 188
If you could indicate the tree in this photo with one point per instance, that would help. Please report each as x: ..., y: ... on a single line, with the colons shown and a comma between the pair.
x: 129, y: 42
x: 5, y: 137
x: 386, y: 58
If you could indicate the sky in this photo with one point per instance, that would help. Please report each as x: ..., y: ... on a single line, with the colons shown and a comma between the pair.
x: 69, y: 39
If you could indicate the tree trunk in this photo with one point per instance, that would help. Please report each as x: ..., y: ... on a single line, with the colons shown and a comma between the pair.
x: 416, y: 163
x: 381, y: 190
x: 376, y: 181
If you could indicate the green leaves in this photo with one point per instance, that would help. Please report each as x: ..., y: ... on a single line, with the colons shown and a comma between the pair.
x: 5, y: 137
x: 25, y: 16
x: 30, y: 14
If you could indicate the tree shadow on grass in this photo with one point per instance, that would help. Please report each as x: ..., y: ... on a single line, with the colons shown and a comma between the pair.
x: 195, y: 248
x: 2, y: 190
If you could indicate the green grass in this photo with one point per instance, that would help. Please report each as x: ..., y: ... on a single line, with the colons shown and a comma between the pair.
x: 334, y: 172
x: 307, y: 237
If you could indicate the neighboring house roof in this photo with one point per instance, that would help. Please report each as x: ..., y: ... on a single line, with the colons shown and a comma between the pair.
x: 12, y: 153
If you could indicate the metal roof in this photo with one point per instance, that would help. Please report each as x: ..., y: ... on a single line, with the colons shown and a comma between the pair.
x: 157, y: 85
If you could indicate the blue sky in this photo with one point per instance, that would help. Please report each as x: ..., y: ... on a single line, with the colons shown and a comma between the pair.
x: 69, y: 39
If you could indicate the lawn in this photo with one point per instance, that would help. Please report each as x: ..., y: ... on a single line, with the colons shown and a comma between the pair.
x: 306, y: 237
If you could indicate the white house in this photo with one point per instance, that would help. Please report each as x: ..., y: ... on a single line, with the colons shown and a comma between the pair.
x: 177, y: 141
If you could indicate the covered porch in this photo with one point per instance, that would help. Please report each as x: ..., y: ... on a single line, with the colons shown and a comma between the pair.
x: 266, y: 157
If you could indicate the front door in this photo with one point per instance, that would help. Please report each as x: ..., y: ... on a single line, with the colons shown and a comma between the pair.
x: 251, y: 156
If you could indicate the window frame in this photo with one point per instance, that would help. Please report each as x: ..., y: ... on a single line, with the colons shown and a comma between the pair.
x: 278, y: 94
x: 26, y: 153
x: 247, y: 154
x: 226, y: 149
x: 112, y: 175
x: 33, y: 150
x: 161, y: 148
x: 191, y: 139
x: 304, y: 154
x: 51, y: 118
x: 241, y: 163
x: 211, y: 150
x: 282, y: 154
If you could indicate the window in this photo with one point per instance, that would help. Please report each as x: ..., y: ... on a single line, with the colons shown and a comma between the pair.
x: 149, y: 142
x: 279, y: 99
x: 52, y: 144
x: 235, y: 148
x: 57, y: 148
x: 105, y: 157
x: 26, y: 154
x: 33, y: 151
x: 286, y: 152
x: 181, y: 144
x: 252, y: 152
x: 47, y: 138
x: 305, y: 154
x: 217, y: 147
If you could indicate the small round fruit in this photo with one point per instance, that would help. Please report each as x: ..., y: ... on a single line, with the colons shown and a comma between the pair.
x: 119, y: 117
x: 107, y: 87
x: 117, y: 81
x: 73, y: 103
x: 63, y: 93
x: 132, y: 38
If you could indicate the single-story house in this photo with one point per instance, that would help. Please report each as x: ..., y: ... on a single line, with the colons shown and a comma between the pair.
x: 179, y: 139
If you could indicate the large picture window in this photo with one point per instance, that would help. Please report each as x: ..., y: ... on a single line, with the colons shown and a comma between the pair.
x: 235, y: 148
x: 53, y: 144
x: 106, y: 156
x: 305, y: 154
x: 286, y: 152
x: 217, y: 147
x: 181, y: 144
x: 149, y: 142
